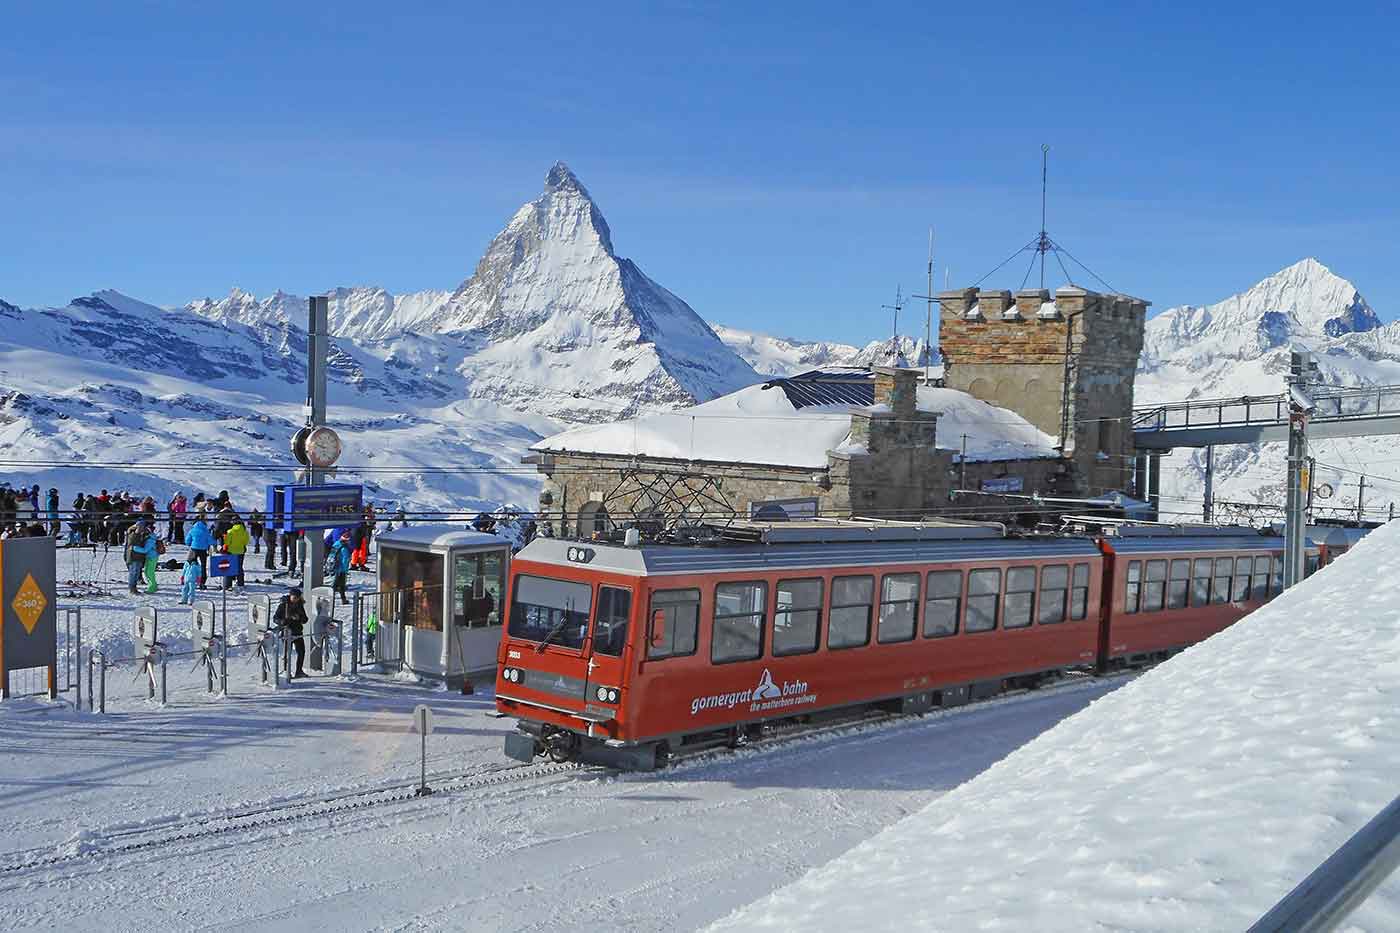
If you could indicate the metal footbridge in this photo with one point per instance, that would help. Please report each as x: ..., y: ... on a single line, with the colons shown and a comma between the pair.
x: 1339, y: 412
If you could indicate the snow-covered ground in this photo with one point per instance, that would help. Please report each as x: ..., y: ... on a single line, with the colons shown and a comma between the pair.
x: 1192, y: 799
x: 580, y: 850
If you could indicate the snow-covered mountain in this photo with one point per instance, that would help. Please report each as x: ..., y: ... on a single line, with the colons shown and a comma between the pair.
x: 785, y: 356
x: 552, y: 328
x: 1240, y: 346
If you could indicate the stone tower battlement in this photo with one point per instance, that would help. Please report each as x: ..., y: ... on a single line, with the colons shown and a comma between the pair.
x: 1023, y: 351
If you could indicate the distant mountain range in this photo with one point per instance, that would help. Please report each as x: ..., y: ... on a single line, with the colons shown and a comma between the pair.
x: 552, y: 329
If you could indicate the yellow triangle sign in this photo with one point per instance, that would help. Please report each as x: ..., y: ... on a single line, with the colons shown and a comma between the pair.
x: 29, y: 603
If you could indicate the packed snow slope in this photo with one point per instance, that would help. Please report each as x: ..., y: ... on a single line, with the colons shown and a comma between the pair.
x: 1191, y: 799
x: 1240, y: 346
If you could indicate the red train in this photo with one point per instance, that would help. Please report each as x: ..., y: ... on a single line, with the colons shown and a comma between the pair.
x: 624, y: 655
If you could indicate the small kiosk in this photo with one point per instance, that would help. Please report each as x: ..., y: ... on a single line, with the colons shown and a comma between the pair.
x: 441, y: 594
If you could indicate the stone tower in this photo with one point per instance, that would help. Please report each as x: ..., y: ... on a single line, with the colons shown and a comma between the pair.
x: 1065, y: 364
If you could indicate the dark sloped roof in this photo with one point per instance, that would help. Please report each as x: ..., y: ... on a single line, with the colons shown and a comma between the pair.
x: 827, y: 387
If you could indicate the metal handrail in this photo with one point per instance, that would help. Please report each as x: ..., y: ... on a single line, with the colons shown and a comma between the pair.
x: 1340, y: 884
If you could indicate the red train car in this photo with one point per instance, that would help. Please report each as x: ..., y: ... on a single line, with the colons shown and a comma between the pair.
x: 1170, y: 588
x: 626, y: 654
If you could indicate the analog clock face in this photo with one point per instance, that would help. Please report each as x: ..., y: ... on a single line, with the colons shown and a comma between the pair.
x: 323, y: 447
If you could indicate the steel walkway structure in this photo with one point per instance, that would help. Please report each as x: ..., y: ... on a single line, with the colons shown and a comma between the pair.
x: 1340, y: 412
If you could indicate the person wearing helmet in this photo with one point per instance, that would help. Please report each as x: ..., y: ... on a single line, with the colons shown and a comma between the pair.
x: 291, y: 617
x: 338, y: 563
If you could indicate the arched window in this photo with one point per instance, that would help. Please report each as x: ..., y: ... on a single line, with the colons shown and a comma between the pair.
x: 592, y: 519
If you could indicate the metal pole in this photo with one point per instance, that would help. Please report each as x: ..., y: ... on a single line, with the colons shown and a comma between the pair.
x: 317, y: 345
x: 1295, y: 520
x: 355, y: 636
x: 223, y: 651
x: 1208, y: 506
x: 162, y: 678
x: 91, y: 651
x: 102, y: 685
x: 1154, y: 483
x: 962, y: 465
x: 1312, y: 482
x: 78, y: 663
x: 1360, y: 500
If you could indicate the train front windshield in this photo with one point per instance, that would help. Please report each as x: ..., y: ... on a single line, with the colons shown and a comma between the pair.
x: 553, y: 611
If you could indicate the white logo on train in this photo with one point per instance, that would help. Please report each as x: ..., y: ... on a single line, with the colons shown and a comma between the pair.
x: 767, y: 695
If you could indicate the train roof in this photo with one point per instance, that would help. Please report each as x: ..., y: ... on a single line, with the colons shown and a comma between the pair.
x: 1142, y: 544
x: 430, y: 537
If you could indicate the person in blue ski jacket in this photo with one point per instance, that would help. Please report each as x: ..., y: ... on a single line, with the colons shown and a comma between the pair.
x: 189, y: 579
x: 199, y: 539
x: 140, y: 547
x: 338, y: 563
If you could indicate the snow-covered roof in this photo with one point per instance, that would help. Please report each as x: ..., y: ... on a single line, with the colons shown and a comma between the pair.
x: 781, y: 423
x: 438, y: 537
x: 1193, y: 798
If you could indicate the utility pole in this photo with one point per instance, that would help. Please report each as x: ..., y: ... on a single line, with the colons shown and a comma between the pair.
x: 1310, y: 482
x: 317, y: 351
x: 1208, y: 506
x: 962, y: 465
x: 928, y: 323
x: 1360, y: 499
x: 1300, y: 407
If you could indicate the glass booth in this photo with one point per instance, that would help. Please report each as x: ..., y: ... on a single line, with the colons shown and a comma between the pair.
x: 440, y: 597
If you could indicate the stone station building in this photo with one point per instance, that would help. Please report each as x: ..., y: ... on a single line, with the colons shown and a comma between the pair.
x: 1038, y: 391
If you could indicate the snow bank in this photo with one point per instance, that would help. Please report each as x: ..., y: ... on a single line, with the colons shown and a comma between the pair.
x: 758, y: 425
x: 1191, y: 799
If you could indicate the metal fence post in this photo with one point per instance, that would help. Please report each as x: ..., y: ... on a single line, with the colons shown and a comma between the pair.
x: 102, y: 684
x: 91, y: 651
x: 162, y: 678
x: 355, y: 635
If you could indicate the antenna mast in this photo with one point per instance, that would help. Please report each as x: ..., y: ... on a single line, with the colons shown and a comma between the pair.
x: 898, y: 303
x: 928, y: 322
x: 1042, y: 244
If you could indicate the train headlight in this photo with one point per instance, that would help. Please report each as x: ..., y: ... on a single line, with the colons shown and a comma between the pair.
x: 603, y: 694
x: 511, y: 674
x: 612, y: 695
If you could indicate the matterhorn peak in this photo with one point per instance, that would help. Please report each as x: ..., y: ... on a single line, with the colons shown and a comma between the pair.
x: 562, y: 178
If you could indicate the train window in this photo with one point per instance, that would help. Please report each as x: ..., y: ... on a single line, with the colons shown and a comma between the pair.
x: 1224, y: 570
x: 738, y: 629
x: 1200, y: 582
x: 1259, y: 587
x: 675, y: 623
x: 1154, y: 590
x: 550, y: 610
x: 1079, y: 593
x: 983, y: 594
x: 1054, y: 588
x: 797, y: 616
x: 1020, y: 597
x: 944, y: 600
x: 1132, y: 589
x: 1277, y: 586
x: 1240, y: 590
x: 899, y: 607
x: 1310, y: 564
x: 851, y: 601
x: 610, y: 627
x: 1179, y: 583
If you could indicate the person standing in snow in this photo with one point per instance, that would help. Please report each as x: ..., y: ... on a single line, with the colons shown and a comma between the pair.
x: 77, y: 527
x: 51, y: 511
x: 255, y: 530
x: 157, y: 548
x: 199, y: 541
x: 291, y: 618
x: 236, y: 544
x: 177, y: 508
x: 138, y: 546
x: 338, y: 563
x: 189, y: 579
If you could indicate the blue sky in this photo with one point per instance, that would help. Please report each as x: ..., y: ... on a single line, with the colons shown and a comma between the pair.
x: 776, y: 165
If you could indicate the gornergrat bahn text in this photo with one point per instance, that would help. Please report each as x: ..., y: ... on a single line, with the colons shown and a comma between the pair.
x: 627, y: 654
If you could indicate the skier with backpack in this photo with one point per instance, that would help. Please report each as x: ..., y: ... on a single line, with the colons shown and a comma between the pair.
x: 338, y: 564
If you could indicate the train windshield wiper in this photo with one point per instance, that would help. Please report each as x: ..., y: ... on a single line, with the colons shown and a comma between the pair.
x: 558, y: 627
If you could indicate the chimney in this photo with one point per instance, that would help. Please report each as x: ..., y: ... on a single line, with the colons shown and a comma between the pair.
x: 899, y: 389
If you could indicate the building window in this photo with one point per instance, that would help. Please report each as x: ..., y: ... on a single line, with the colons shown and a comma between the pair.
x: 1154, y: 592
x: 1277, y: 586
x: 737, y: 633
x: 1020, y: 597
x: 899, y: 607
x: 1200, y: 582
x: 1179, y: 584
x: 674, y: 624
x: 1079, y: 593
x: 1054, y: 590
x: 944, y: 603
x: 851, y: 602
x: 592, y: 520
x: 983, y: 597
x: 1132, y: 590
x: 797, y: 617
x: 478, y: 588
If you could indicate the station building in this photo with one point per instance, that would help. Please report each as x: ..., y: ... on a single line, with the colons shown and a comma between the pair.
x: 1035, y: 396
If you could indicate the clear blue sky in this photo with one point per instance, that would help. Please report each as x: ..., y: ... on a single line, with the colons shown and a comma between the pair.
x: 775, y: 165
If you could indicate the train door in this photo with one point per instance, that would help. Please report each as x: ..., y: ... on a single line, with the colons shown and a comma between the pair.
x: 603, y: 652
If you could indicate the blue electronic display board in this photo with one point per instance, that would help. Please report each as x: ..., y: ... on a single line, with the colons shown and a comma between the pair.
x: 298, y: 508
